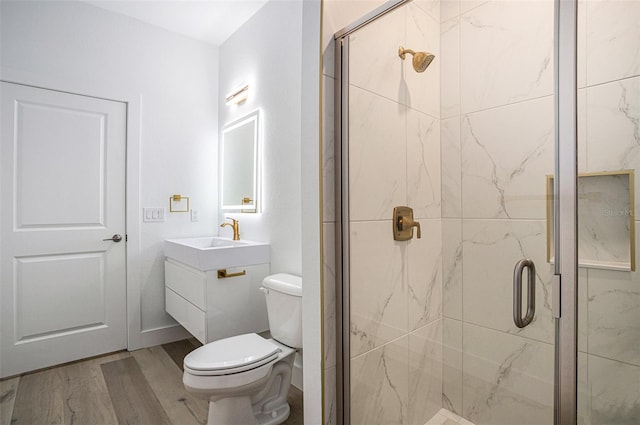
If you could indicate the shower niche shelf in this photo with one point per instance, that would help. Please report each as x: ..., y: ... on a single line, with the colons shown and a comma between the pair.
x: 606, y: 230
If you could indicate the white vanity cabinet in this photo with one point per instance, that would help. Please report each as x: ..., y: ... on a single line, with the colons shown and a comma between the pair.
x: 212, y: 307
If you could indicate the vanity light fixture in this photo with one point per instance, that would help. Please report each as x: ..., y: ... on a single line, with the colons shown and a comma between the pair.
x: 238, y: 96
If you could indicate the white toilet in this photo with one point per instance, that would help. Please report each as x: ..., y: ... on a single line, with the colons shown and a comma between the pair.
x: 246, y: 378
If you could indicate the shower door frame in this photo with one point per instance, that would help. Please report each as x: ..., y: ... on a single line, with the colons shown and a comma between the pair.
x: 343, y: 316
x: 564, y: 297
x: 565, y: 284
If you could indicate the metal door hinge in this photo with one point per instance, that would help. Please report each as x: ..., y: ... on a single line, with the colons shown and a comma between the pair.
x: 555, y: 295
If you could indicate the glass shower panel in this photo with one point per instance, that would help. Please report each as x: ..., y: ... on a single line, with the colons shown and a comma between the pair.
x: 394, y: 160
x: 608, y: 197
x: 468, y: 144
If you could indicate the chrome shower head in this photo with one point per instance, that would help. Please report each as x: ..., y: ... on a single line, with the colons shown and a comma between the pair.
x: 421, y: 60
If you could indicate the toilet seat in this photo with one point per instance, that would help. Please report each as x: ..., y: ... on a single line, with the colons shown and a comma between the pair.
x: 231, y: 355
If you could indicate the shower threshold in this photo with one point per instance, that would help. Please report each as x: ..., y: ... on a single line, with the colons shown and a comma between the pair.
x: 446, y: 417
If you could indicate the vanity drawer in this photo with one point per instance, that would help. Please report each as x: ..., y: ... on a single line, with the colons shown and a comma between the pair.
x: 189, y: 316
x: 186, y: 282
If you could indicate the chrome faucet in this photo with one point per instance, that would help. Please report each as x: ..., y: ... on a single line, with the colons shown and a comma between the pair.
x: 234, y: 226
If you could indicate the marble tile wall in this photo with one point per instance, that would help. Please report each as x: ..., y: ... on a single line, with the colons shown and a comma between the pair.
x: 497, y: 142
x: 610, y: 345
x: 497, y: 146
x: 493, y: 116
x: 396, y: 287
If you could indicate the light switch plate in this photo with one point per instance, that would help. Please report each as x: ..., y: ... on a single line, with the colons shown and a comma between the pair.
x: 195, y: 215
x: 153, y: 214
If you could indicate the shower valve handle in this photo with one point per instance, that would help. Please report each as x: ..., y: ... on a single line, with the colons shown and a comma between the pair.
x: 406, y: 223
x: 403, y: 224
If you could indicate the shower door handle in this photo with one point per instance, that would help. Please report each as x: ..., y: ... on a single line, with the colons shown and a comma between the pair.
x: 520, y: 321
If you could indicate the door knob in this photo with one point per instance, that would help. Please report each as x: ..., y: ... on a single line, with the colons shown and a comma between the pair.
x: 403, y: 224
x: 115, y: 238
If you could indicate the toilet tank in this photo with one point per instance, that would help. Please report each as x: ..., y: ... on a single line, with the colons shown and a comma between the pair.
x: 283, y: 293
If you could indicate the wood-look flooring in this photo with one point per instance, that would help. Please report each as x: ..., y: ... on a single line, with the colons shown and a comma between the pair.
x: 142, y: 387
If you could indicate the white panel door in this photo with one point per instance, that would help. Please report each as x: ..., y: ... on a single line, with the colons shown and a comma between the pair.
x: 63, y: 287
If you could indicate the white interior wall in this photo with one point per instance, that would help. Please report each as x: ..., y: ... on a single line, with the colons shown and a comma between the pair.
x: 79, y: 48
x: 174, y: 81
x: 268, y: 58
x: 276, y: 52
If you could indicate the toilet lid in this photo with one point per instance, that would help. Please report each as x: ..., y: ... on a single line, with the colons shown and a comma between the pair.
x: 232, y: 353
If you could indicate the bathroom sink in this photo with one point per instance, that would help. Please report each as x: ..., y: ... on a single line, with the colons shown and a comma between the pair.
x: 213, y: 252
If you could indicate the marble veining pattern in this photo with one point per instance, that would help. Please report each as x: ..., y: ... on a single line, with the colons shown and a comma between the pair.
x: 491, y: 249
x: 503, y: 168
x: 374, y: 64
x: 425, y: 372
x: 450, y: 68
x: 432, y: 7
x: 379, y: 286
x: 451, y: 167
x: 377, y: 152
x: 379, y: 389
x: 449, y: 9
x: 613, y: 128
x: 515, y: 69
x: 506, y: 53
x: 422, y: 89
x: 423, y: 165
x: 507, y: 379
x: 613, y: 315
x: 612, y: 34
x: 424, y: 275
x: 395, y: 150
x: 467, y: 5
x: 452, y: 365
x: 452, y: 268
x: 446, y: 417
x: 614, y: 392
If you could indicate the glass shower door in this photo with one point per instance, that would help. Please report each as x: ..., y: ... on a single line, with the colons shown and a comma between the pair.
x: 608, y: 163
x: 468, y: 144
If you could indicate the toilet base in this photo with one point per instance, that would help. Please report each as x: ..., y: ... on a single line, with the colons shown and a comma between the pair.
x: 252, y: 397
x: 231, y: 410
x: 238, y: 410
x: 277, y: 416
x: 266, y: 407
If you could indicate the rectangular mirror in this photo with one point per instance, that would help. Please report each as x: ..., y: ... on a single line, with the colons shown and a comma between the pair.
x: 239, y: 160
